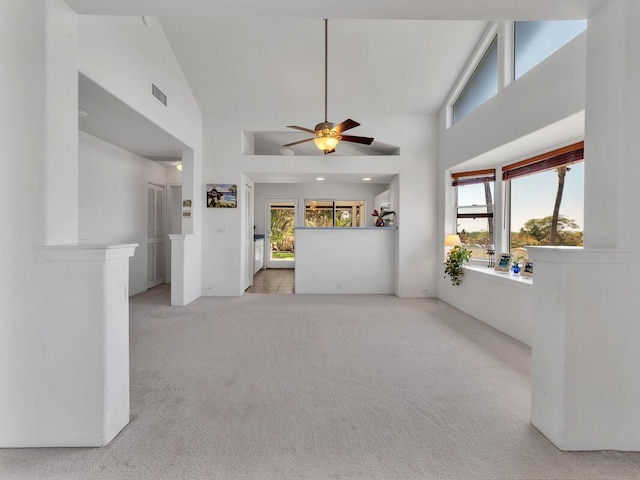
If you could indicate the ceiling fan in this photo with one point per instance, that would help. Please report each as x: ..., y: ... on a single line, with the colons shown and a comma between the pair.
x: 327, y: 135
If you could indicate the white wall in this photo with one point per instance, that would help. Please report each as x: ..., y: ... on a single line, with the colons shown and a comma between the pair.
x: 61, y: 105
x: 586, y: 307
x: 344, y: 261
x: 540, y: 111
x: 585, y: 387
x: 38, y: 188
x: 549, y: 93
x: 113, y: 200
x: 415, y: 193
x: 315, y: 191
x: 416, y: 135
x: 124, y: 56
x: 497, y: 299
x: 39, y: 44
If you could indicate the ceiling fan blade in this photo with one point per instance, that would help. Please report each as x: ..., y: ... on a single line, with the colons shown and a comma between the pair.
x: 363, y: 140
x: 330, y: 151
x: 300, y: 141
x: 346, y: 125
x: 302, y: 128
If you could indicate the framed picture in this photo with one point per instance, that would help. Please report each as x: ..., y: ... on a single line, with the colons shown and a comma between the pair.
x: 186, y: 213
x: 527, y: 270
x: 222, y: 195
x: 503, y: 263
x: 186, y: 203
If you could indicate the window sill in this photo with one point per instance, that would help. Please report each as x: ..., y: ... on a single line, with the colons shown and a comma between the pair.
x: 490, y: 274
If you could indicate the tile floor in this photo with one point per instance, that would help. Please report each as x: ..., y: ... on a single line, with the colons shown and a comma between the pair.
x: 278, y: 281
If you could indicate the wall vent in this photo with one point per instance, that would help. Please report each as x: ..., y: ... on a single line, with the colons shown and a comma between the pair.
x: 156, y: 92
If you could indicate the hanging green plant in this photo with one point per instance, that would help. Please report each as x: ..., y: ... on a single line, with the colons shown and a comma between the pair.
x: 457, y: 256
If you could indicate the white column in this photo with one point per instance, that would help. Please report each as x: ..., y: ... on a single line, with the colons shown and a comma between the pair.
x: 71, y: 380
x: 185, y: 287
x: 585, y: 381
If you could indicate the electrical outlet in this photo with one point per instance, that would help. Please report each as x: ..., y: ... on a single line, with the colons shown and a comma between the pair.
x: 338, y: 286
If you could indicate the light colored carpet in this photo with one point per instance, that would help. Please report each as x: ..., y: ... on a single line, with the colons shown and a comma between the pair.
x: 321, y: 387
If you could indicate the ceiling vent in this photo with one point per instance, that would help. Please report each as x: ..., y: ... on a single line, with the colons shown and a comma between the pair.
x: 156, y: 92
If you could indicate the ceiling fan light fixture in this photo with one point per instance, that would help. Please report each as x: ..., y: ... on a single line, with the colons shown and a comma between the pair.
x: 327, y: 140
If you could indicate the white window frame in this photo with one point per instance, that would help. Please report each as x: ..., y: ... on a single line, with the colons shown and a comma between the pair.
x: 471, y: 66
x: 496, y: 229
x: 363, y: 220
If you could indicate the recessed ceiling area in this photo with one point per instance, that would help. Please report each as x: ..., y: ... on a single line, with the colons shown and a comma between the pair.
x: 382, y: 179
x: 270, y: 143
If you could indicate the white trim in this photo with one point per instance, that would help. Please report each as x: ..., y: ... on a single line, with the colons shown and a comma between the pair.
x: 86, y: 252
x: 506, y: 54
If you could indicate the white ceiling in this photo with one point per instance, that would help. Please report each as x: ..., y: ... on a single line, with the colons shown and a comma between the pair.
x: 254, y: 57
x: 265, y: 65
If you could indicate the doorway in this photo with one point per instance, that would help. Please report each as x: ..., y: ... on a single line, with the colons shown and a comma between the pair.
x: 280, y: 219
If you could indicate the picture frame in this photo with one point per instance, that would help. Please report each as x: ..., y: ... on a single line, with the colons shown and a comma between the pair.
x: 186, y: 203
x: 222, y: 195
x: 527, y: 270
x: 503, y: 263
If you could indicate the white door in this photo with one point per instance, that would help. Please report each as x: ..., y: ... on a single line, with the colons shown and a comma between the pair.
x: 155, y: 235
x: 248, y: 237
x: 279, y: 242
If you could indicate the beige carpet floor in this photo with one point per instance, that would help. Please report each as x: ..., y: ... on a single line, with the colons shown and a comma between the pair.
x: 307, y: 387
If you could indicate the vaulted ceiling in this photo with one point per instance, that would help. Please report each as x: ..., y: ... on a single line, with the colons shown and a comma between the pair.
x: 384, y: 57
x: 244, y: 57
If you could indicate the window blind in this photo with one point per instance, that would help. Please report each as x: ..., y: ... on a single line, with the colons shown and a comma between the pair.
x: 547, y: 161
x: 473, y: 177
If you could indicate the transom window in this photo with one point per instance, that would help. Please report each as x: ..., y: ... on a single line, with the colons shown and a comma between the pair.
x: 334, y: 213
x: 535, y: 41
x: 482, y: 85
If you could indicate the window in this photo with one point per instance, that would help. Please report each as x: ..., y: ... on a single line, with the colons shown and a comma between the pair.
x: 474, y: 192
x: 330, y: 213
x: 482, y: 85
x: 535, y: 41
x: 547, y: 199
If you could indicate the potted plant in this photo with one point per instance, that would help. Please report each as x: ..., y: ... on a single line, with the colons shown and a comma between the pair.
x: 516, y: 265
x: 383, y: 213
x: 456, y: 257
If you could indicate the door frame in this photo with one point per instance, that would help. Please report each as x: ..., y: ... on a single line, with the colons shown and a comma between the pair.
x: 173, y: 223
x: 268, y: 262
x: 249, y: 248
